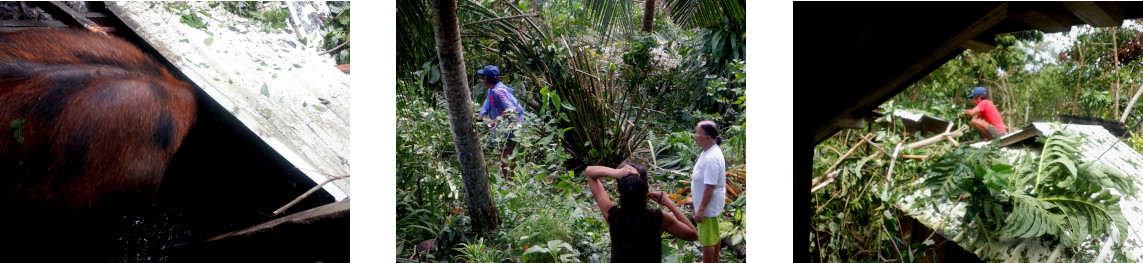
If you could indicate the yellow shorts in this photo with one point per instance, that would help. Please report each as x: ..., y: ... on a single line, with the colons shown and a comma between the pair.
x: 708, y: 231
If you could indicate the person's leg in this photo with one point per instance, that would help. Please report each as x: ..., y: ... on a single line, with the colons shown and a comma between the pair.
x: 507, y: 159
x: 505, y: 156
x: 992, y: 132
x: 981, y: 127
x: 710, y: 254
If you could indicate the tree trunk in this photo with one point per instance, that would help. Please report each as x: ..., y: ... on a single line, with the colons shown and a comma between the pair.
x: 1115, y: 50
x: 477, y: 192
x: 648, y: 15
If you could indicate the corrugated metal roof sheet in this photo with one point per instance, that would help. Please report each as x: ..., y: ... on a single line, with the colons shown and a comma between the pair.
x: 1096, y: 142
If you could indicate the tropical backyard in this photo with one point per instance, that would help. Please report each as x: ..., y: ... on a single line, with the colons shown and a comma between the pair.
x: 598, y: 82
x: 1040, y: 201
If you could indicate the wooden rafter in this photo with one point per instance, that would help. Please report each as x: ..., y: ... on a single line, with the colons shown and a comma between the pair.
x: 886, y: 90
x: 978, y: 46
x: 1098, y: 14
x: 1049, y: 18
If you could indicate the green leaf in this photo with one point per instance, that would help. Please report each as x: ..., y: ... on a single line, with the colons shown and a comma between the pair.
x: 536, y: 249
x: 208, y: 41
x: 319, y: 108
x: 17, y: 127
x: 265, y: 90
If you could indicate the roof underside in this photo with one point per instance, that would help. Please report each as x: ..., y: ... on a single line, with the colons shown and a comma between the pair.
x: 874, y: 50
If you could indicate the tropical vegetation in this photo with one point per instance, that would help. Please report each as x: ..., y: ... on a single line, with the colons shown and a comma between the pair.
x: 1050, y: 194
x: 597, y: 87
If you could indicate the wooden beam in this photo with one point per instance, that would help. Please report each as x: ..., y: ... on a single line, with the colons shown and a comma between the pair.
x: 1025, y: 134
x: 851, y: 122
x: 1049, y: 18
x: 1098, y: 14
x: 977, y: 46
x: 62, y: 12
x: 31, y: 23
x: 334, y: 210
x: 998, y: 14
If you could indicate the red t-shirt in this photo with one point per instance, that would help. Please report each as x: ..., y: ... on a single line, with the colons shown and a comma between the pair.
x: 989, y: 113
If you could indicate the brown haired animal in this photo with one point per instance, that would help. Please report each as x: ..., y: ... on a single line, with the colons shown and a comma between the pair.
x: 91, y: 121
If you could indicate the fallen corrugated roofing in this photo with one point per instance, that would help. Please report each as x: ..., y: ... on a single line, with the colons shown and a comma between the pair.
x: 1098, y: 146
x: 276, y: 84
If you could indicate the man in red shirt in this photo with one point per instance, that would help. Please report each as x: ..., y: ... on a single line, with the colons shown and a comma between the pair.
x: 985, y: 118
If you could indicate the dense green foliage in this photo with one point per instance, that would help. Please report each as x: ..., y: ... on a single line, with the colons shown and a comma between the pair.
x: 1053, y: 193
x: 1053, y: 196
x: 593, y: 95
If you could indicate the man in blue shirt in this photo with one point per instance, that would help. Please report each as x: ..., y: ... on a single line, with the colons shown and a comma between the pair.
x: 499, y: 101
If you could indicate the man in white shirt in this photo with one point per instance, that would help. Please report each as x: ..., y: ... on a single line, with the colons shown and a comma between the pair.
x: 708, y: 188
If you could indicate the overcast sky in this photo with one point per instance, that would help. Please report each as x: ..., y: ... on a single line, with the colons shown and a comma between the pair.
x: 1055, y: 43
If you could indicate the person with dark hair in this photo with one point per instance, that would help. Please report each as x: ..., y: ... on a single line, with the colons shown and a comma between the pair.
x: 635, y: 229
x: 708, y: 187
x: 499, y: 100
x: 985, y: 118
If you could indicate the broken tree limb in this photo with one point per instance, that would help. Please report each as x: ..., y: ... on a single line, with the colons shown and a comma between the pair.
x: 308, y: 193
x: 1130, y: 104
x: 334, y: 48
x: 875, y: 145
x: 934, y: 139
x: 922, y: 157
x: 829, y: 179
x: 847, y: 154
x: 500, y: 18
x: 953, y: 141
x: 893, y: 161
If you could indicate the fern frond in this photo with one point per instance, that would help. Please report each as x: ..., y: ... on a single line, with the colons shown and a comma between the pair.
x: 1087, y: 215
x: 1057, y: 163
x: 1033, y: 217
x: 1104, y: 175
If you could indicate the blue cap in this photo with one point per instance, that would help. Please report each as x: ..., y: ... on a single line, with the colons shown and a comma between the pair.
x: 977, y: 91
x: 489, y: 70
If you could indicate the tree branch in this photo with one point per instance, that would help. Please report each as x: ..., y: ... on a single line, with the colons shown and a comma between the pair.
x: 335, y: 48
x: 499, y: 18
x: 307, y: 194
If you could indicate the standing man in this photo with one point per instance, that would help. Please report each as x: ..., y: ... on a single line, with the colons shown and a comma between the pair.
x: 708, y: 188
x: 985, y: 118
x: 499, y: 100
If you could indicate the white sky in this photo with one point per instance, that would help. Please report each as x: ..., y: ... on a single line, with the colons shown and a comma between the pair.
x: 1055, y: 43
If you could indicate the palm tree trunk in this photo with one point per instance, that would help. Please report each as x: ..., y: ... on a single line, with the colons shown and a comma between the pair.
x: 477, y: 192
x: 648, y: 15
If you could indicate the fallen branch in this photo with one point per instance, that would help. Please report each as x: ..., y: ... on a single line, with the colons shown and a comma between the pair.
x: 1130, y: 104
x: 935, y: 139
x: 922, y: 157
x: 334, y: 48
x: 307, y: 194
x: 875, y: 145
x: 847, y: 154
x: 950, y: 138
x: 892, y: 161
x: 499, y: 18
x: 828, y: 180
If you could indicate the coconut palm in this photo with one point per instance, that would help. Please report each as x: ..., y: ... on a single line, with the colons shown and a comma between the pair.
x: 478, y: 195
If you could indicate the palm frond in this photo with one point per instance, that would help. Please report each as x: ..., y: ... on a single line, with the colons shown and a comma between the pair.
x: 605, y: 13
x: 704, y: 13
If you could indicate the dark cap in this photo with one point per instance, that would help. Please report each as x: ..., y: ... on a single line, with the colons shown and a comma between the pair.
x: 976, y: 92
x: 489, y: 70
